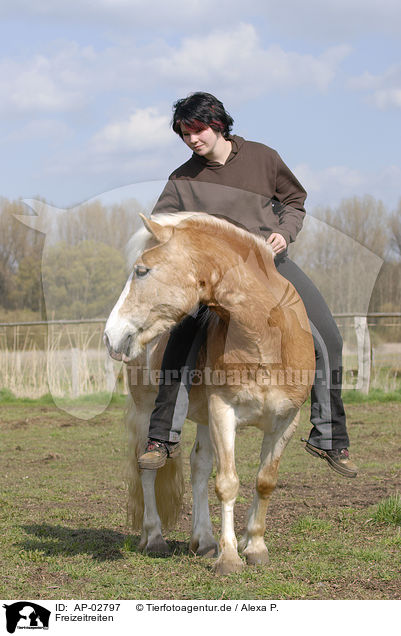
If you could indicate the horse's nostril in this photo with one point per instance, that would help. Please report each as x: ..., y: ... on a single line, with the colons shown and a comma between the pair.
x: 106, y: 340
x: 127, y: 344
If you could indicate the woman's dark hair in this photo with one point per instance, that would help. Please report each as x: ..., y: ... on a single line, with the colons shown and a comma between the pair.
x: 200, y: 110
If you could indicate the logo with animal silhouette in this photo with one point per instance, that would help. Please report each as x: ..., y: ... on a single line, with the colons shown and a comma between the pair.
x: 26, y: 615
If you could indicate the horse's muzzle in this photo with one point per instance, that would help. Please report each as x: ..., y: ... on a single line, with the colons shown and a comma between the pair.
x: 120, y: 354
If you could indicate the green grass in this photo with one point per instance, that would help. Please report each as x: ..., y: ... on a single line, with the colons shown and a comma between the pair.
x: 311, y: 525
x: 374, y: 395
x: 388, y: 511
x: 7, y: 397
x: 350, y: 397
x: 63, y: 530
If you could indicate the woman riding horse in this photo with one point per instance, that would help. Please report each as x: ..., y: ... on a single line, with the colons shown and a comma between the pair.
x: 248, y: 184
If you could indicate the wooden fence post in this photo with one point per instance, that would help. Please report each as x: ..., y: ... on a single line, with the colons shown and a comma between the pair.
x: 75, y: 371
x: 18, y: 362
x: 109, y: 371
x: 364, y: 353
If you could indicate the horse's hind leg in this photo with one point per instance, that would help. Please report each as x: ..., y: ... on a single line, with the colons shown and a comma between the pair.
x: 202, y: 539
x: 252, y: 543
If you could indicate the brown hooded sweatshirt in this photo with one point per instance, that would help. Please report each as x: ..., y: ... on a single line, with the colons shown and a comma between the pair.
x: 253, y: 189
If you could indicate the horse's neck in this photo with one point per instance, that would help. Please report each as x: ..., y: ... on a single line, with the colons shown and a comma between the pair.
x: 243, y: 296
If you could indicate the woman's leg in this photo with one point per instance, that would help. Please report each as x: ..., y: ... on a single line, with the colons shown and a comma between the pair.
x: 327, y: 410
x: 179, y: 360
x: 171, y: 406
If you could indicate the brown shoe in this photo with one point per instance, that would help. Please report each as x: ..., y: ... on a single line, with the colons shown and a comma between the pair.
x: 156, y: 454
x: 338, y: 459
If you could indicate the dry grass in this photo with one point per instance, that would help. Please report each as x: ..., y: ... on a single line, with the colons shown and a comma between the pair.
x: 65, y: 360
x: 70, y: 360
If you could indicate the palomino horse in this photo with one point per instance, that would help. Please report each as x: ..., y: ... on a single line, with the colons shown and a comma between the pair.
x: 259, y: 357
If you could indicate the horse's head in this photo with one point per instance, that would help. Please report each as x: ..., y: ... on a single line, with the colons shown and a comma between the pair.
x: 159, y: 292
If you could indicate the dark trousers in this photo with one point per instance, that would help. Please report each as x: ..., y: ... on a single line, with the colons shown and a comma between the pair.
x: 179, y: 368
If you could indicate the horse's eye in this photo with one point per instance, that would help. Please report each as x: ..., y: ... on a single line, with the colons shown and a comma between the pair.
x: 141, y: 270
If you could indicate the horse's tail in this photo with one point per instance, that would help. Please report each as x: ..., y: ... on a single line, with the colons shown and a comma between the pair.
x: 169, y: 485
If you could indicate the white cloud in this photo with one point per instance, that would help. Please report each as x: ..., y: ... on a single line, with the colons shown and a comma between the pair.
x: 132, y: 15
x: 38, y: 130
x: 333, y: 183
x: 330, y: 21
x: 45, y: 83
x: 67, y: 77
x: 384, y: 91
x: 387, y: 98
x: 144, y: 130
x: 324, y: 21
x: 235, y: 61
x: 140, y: 147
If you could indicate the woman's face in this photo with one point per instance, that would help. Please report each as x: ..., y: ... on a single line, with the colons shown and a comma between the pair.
x: 202, y: 142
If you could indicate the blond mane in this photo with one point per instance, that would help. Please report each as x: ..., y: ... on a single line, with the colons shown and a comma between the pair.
x: 143, y: 240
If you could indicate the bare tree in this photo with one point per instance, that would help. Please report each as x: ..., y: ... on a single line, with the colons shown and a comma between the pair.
x: 364, y: 219
x: 95, y: 222
x: 395, y: 231
x: 18, y: 244
x: 342, y: 250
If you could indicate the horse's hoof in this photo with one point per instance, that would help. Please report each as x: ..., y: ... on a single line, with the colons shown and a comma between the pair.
x: 206, y: 548
x: 159, y: 547
x: 226, y: 566
x: 257, y: 558
x: 207, y: 551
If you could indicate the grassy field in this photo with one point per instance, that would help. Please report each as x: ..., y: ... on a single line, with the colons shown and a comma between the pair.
x: 63, y: 514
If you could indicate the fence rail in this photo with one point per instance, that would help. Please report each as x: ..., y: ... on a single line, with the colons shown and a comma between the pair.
x: 35, y: 323
x: 83, y: 321
x: 74, y: 352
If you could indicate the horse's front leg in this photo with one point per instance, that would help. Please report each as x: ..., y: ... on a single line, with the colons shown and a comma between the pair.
x: 151, y: 538
x: 222, y: 426
x: 202, y: 539
x: 142, y: 505
x: 252, y: 542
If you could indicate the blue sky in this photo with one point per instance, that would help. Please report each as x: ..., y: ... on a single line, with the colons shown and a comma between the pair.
x: 87, y: 90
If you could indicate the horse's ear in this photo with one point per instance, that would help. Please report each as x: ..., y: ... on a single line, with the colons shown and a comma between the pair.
x: 160, y: 233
